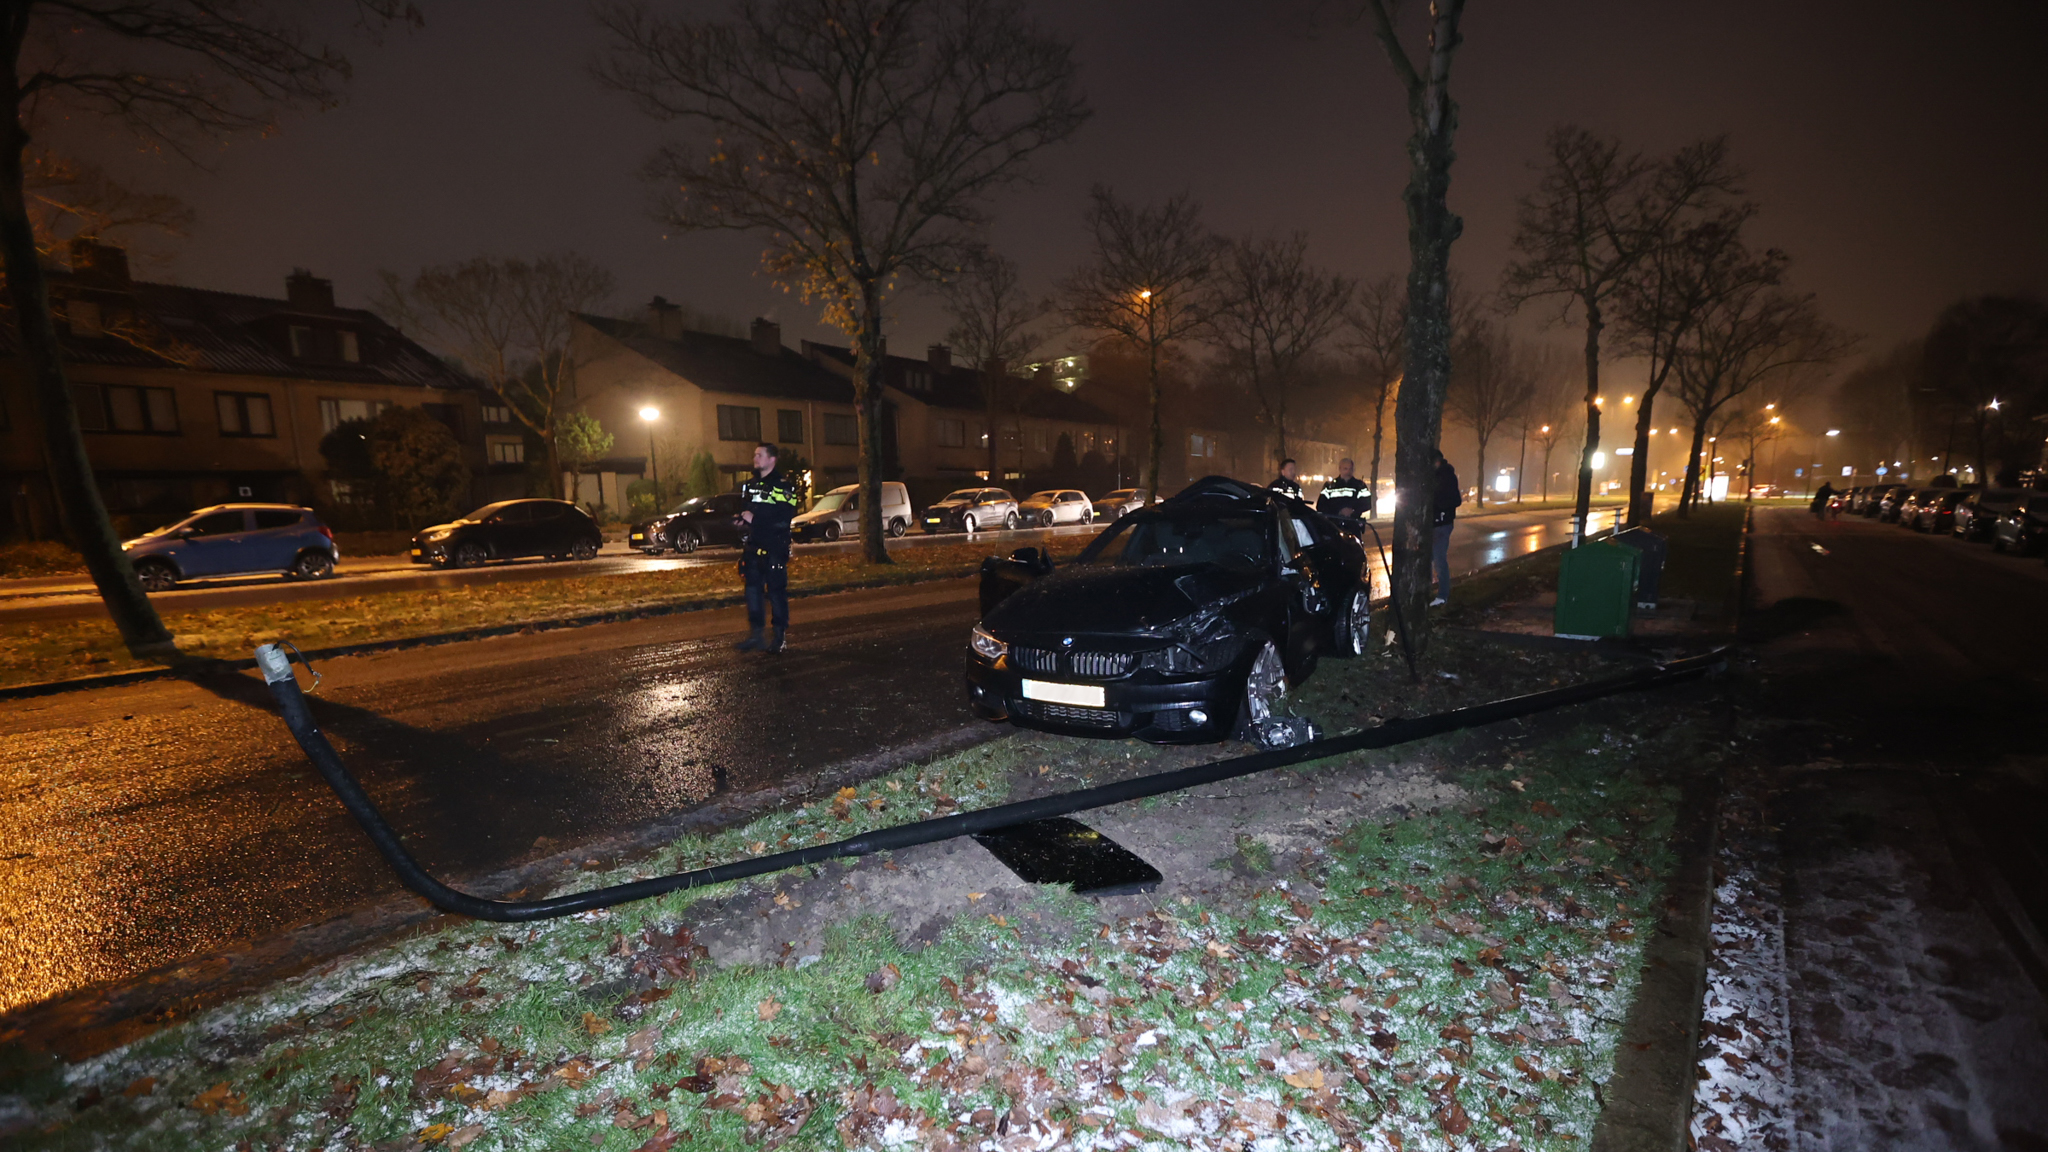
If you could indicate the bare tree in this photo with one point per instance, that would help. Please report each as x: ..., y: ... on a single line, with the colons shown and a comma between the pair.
x: 1147, y: 285
x: 1378, y: 342
x: 1432, y: 229
x: 175, y: 72
x: 1274, y: 310
x: 1553, y: 409
x: 508, y: 321
x: 1986, y: 360
x: 861, y: 137
x: 72, y: 199
x: 1597, y: 212
x: 1491, y: 384
x: 1752, y: 332
x: 993, y: 327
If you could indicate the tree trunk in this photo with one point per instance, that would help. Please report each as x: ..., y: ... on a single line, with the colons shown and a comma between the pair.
x: 1158, y: 433
x: 1522, y: 464
x: 1547, y: 447
x: 1640, y: 501
x: 1584, y: 501
x: 1479, y: 470
x: 867, y: 404
x: 995, y: 475
x: 71, y: 480
x: 1690, y: 494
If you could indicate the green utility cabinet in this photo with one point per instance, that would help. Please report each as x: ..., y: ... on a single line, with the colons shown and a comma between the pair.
x: 1596, y: 587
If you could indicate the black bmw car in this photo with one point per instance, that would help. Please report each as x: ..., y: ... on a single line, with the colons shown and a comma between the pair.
x: 555, y: 529
x: 690, y: 525
x: 1183, y: 624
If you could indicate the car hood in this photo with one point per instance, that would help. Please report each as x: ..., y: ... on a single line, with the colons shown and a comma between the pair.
x: 450, y: 526
x: 1106, y: 600
x: 950, y: 505
x: 815, y: 514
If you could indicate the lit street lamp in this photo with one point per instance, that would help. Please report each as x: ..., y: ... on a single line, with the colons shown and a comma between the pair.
x: 649, y: 415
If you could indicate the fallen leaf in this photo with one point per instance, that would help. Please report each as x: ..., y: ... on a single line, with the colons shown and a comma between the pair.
x: 973, y: 896
x: 220, y: 1098
x: 1543, y: 808
x: 1218, y: 948
x: 596, y: 1025
x: 462, y: 1136
x: 435, y: 1133
x: 884, y: 978
x: 1311, y: 1079
x: 140, y: 1086
x: 1453, y: 1119
x: 768, y: 1009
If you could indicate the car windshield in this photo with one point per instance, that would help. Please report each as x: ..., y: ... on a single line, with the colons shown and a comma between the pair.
x: 693, y: 504
x: 488, y: 510
x: 1041, y: 497
x: 834, y: 501
x: 963, y: 494
x: 1233, y: 540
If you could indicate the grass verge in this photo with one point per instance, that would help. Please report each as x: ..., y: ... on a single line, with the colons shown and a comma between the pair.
x: 1424, y: 974
x: 39, y: 652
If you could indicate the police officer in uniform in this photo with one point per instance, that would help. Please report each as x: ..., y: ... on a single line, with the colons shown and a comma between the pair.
x: 770, y: 500
x: 1285, y: 483
x: 1345, y: 496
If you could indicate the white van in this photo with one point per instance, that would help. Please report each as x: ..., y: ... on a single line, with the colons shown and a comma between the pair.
x: 837, y: 513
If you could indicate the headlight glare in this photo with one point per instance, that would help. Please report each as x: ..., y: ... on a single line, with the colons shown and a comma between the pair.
x: 986, y: 646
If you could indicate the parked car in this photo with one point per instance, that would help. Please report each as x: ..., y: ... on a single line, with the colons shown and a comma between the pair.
x: 1980, y: 510
x: 2022, y: 530
x: 837, y: 513
x: 690, y: 525
x: 1180, y: 624
x: 1893, y: 503
x: 972, y: 510
x: 1937, y: 512
x: 1874, y: 503
x: 1120, y: 503
x: 1056, y: 506
x: 1763, y: 491
x: 235, y: 540
x: 555, y: 529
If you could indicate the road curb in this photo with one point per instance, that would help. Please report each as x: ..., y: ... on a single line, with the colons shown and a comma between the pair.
x: 205, y: 667
x: 1647, y: 1103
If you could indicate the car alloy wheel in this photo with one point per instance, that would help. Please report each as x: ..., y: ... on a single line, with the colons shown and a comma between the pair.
x: 313, y: 566
x: 1009, y: 521
x: 1355, y: 628
x: 897, y: 527
x: 1264, y: 686
x: 1045, y: 518
x: 1088, y: 517
x: 156, y: 576
x: 831, y: 530
x: 470, y: 556
x: 686, y: 541
x: 967, y: 523
x: 585, y: 549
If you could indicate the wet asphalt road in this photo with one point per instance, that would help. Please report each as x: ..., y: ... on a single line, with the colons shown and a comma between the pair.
x: 152, y: 824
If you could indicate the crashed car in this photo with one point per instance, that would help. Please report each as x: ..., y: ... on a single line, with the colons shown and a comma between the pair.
x: 1185, y: 623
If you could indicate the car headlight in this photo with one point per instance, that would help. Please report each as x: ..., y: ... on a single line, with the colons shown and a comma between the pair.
x: 1204, y: 642
x: 986, y: 646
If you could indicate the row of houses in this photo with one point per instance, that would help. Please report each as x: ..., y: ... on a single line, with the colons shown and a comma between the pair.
x: 189, y: 397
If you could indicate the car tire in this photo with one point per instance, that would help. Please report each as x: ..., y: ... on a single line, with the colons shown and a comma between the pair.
x: 831, y: 531
x: 897, y: 527
x: 468, y: 556
x: 1045, y: 518
x: 584, y: 549
x: 967, y: 524
x: 156, y: 576
x: 686, y: 541
x: 1009, y: 521
x: 1088, y: 517
x: 1353, y: 626
x: 1265, y: 683
x: 312, y: 564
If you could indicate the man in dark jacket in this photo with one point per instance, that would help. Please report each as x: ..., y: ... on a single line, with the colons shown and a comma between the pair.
x: 1285, y: 483
x: 1449, y: 494
x: 1345, y: 495
x: 769, y: 501
x: 1820, y: 500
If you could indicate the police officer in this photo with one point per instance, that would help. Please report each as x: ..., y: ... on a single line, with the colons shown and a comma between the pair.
x: 1285, y: 483
x: 1346, y: 495
x: 770, y: 501
x: 1449, y: 494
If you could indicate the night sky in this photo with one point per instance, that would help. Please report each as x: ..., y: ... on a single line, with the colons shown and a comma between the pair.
x: 1897, y: 147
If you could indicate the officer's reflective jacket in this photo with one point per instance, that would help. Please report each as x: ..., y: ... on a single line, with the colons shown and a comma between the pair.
x: 774, y: 500
x: 1341, y: 497
x: 1285, y: 487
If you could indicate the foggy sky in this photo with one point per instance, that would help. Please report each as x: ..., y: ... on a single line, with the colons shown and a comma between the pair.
x: 1897, y: 148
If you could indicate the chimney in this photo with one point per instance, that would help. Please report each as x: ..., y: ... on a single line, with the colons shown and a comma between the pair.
x: 103, y: 263
x: 940, y: 358
x: 305, y: 290
x: 767, y: 337
x: 664, y: 320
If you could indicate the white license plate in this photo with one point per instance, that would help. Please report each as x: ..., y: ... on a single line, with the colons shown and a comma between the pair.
x: 1084, y: 695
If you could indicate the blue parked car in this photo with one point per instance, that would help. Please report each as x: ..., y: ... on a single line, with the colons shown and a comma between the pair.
x: 235, y: 540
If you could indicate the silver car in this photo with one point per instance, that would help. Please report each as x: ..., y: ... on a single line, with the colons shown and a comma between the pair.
x: 1056, y: 506
x: 1120, y: 503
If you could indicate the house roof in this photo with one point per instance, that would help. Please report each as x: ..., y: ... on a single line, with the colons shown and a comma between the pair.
x: 171, y: 326
x: 959, y: 388
x: 729, y: 363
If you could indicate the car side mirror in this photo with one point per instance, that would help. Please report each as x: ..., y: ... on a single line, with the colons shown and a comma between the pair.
x: 1000, y: 577
x: 186, y: 533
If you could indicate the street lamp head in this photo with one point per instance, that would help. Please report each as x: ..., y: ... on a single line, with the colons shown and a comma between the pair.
x: 1774, y: 419
x: 650, y: 413
x: 1546, y: 428
x: 1145, y: 294
x: 1628, y: 399
x: 1770, y: 407
x: 1994, y: 405
x: 1834, y: 431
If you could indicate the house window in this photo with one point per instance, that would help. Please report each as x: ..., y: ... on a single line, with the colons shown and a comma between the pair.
x: 244, y: 414
x: 1200, y: 445
x: 736, y: 423
x: 951, y: 434
x: 121, y: 408
x: 789, y: 426
x: 333, y: 413
x: 841, y: 429
x: 508, y: 452
x: 350, y: 350
x: 1038, y: 439
x: 301, y: 341
x: 497, y: 414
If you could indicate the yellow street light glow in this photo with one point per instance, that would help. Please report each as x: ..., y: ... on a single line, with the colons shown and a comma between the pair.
x: 650, y: 413
x: 1834, y: 431
x: 1628, y: 399
x: 1770, y: 407
x: 1674, y: 431
x: 1546, y: 428
x: 1145, y: 295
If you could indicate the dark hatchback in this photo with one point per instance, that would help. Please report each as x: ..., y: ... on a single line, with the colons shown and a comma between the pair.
x: 1182, y: 624
x: 1980, y: 510
x: 2024, y: 529
x: 691, y: 525
x: 1937, y: 512
x: 555, y: 529
x: 1874, y: 504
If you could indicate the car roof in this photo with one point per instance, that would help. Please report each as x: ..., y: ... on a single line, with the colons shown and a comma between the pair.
x: 250, y: 507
